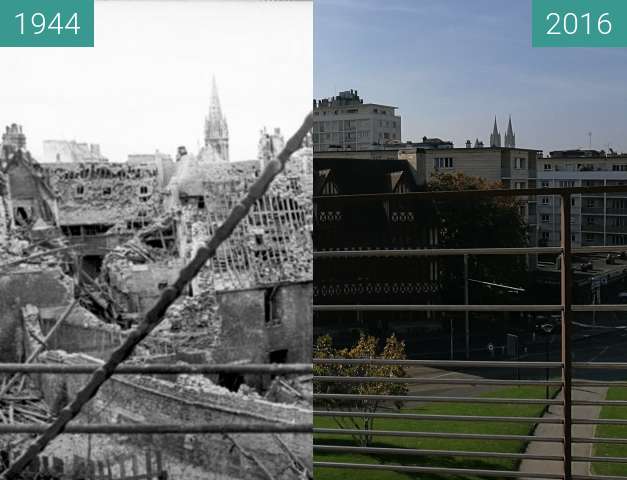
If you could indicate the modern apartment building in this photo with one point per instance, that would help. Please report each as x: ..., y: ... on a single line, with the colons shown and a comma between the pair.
x: 346, y: 123
x: 596, y: 219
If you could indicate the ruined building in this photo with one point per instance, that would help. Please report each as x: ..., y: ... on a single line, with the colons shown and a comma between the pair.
x: 33, y: 202
x: 137, y: 224
x: 71, y: 151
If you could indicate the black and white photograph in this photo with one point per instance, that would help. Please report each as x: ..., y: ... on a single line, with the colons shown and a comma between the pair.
x: 156, y: 242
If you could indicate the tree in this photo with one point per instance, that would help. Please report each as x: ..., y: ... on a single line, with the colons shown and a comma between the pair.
x: 495, y: 222
x: 366, y: 347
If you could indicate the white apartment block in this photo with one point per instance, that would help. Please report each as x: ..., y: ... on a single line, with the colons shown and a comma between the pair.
x: 346, y: 123
x: 596, y: 219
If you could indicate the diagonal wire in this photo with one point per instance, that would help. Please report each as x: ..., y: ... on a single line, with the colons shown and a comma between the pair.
x: 169, y: 295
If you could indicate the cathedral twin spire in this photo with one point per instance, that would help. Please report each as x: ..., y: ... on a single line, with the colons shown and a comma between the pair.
x: 510, y: 137
x: 216, y: 127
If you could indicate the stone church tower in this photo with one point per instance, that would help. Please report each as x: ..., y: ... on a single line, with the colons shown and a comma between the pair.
x: 216, y: 128
x: 495, y: 137
x: 510, y: 138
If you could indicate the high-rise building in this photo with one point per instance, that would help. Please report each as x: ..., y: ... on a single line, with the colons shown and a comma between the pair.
x: 346, y: 123
x: 216, y: 128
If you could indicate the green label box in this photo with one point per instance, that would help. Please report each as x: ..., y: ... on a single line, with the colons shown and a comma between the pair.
x: 579, y: 23
x: 46, y: 23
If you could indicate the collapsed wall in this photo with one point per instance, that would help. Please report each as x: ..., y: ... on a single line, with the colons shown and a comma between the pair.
x: 192, y: 400
x: 44, y: 287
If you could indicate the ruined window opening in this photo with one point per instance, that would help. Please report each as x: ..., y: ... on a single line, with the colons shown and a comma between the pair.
x: 231, y: 381
x: 162, y: 285
x: 22, y: 214
x: 259, y: 239
x: 201, y: 203
x: 143, y: 190
x: 278, y: 356
x: 270, y: 305
x: 106, y: 191
x: 80, y: 190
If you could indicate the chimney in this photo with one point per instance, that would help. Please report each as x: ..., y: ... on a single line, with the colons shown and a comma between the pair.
x: 468, y: 144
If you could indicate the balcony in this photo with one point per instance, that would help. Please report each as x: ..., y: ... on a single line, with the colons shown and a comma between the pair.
x: 557, y: 449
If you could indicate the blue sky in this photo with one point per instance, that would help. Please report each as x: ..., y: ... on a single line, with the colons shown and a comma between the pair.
x: 451, y: 65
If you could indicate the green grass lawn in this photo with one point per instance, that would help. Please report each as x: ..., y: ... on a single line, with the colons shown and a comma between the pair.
x: 611, y: 431
x: 434, y: 443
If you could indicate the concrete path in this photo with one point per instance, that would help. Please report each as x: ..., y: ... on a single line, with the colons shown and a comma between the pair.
x: 556, y: 430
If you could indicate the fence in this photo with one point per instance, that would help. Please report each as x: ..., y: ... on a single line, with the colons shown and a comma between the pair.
x: 565, y: 365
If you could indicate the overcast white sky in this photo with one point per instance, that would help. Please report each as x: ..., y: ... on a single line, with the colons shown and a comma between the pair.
x: 146, y: 84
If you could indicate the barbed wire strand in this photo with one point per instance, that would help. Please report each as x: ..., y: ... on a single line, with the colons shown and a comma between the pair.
x: 153, y: 317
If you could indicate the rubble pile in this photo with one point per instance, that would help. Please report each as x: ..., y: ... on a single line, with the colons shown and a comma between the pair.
x: 291, y: 390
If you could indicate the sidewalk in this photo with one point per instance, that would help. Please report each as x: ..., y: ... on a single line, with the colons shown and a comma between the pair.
x: 556, y: 430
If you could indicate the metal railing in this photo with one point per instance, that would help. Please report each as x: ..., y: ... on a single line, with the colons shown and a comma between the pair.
x: 566, y: 366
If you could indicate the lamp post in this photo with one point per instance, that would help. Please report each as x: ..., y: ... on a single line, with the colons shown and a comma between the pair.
x: 547, y: 329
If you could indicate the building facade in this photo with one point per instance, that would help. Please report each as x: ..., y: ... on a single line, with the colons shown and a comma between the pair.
x: 345, y: 122
x: 596, y: 219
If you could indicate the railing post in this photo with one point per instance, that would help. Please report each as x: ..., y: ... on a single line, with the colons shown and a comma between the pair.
x: 566, y: 284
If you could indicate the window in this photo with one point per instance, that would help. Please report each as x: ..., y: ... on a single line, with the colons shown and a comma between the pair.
x: 547, y: 167
x: 619, y: 168
x: 106, y: 191
x: 443, y: 162
x: 546, y: 219
x: 80, y: 190
x: 590, y: 203
x: 143, y: 190
x: 519, y: 163
x: 546, y: 236
x: 545, y: 200
x: 270, y: 306
x: 590, y: 220
x: 589, y: 237
x: 519, y: 185
x: 546, y: 184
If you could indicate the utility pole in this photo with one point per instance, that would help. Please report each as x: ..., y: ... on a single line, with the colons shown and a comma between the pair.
x: 466, y: 302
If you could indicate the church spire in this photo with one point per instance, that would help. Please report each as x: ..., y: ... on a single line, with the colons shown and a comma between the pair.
x: 495, y: 137
x: 216, y: 127
x: 510, y: 138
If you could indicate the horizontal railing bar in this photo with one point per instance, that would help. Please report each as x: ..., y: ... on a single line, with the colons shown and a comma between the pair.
x: 156, y: 368
x: 438, y: 308
x: 619, y: 441
x: 600, y: 365
x: 599, y: 308
x: 599, y: 249
x: 109, y: 429
x: 433, y: 453
x: 455, y: 418
x: 616, y: 403
x: 432, y: 399
x: 435, y: 363
x: 445, y: 435
x: 437, y: 470
x: 594, y: 383
x: 435, y: 381
x: 436, y: 252
x: 597, y: 477
x: 465, y: 194
x: 601, y: 459
x: 599, y: 421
